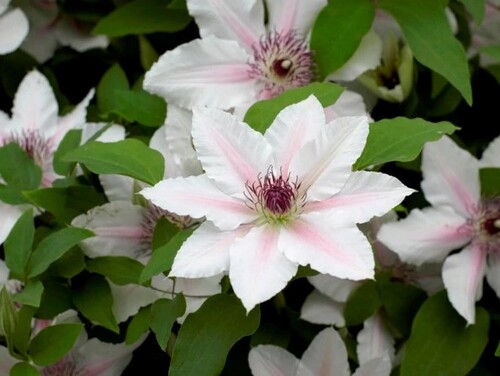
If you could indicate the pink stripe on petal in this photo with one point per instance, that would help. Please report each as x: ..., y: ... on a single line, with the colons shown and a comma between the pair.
x: 131, y: 232
x: 220, y: 74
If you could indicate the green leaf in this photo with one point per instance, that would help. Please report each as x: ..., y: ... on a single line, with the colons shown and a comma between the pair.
x: 490, y: 181
x: 22, y: 333
x: 141, y: 106
x: 95, y: 302
x: 142, y: 17
x: 401, y: 302
x: 31, y: 294
x: 337, y: 32
x: 497, y: 352
x: 66, y: 203
x: 70, y: 264
x: 476, y: 8
x: 261, y: 114
x: 71, y: 141
x: 18, y: 169
x: 164, y: 232
x: 8, y: 318
x: 164, y: 312
x: 163, y: 257
x: 440, y: 343
x: 11, y: 195
x: 114, y: 79
x: 399, y: 139
x: 53, y: 342
x: 431, y: 40
x: 493, y: 51
x: 53, y: 247
x: 120, y: 270
x: 23, y: 369
x: 138, y: 325
x: 147, y: 53
x: 56, y: 298
x: 129, y: 157
x: 207, y: 335
x: 362, y: 303
x: 19, y: 242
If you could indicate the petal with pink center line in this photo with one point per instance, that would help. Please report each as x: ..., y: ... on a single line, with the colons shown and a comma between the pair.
x: 342, y: 252
x: 324, y: 164
x: 35, y: 107
x: 451, y: 176
x: 463, y: 275
x: 298, y: 15
x: 231, y: 153
x: 205, y: 72
x: 206, y: 252
x: 320, y: 309
x: 426, y: 235
x: 294, y: 126
x: 270, y: 360
x: 364, y: 195
x: 257, y: 269
x: 198, y: 197
x: 374, y: 340
x: 326, y: 355
x: 239, y: 20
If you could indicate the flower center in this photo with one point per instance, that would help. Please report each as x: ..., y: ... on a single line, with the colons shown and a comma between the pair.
x: 275, y: 197
x: 281, y: 62
x: 34, y: 144
x: 488, y: 224
x: 64, y: 367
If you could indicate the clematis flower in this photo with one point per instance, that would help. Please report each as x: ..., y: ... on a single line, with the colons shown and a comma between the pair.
x: 486, y: 34
x: 278, y: 200
x: 88, y: 356
x: 459, y: 218
x: 325, y: 356
x: 13, y: 27
x: 51, y: 29
x: 124, y: 228
x: 240, y: 60
x: 36, y: 127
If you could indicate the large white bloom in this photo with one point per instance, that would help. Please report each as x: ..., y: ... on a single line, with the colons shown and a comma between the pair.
x: 240, y: 59
x: 13, y: 27
x: 38, y: 129
x: 325, y: 356
x: 278, y: 200
x: 459, y: 218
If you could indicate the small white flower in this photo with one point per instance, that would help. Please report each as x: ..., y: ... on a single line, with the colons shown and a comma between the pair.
x: 278, y: 200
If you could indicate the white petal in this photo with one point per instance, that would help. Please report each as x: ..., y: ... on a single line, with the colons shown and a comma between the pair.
x: 9, y: 214
x: 117, y: 228
x: 270, y: 360
x: 231, y: 153
x: 210, y: 72
x: 73, y: 120
x: 294, y: 126
x: 336, y: 289
x: 114, y: 133
x: 206, y: 252
x: 104, y: 359
x: 128, y: 299
x: 349, y: 103
x: 491, y: 156
x: 463, y: 275
x: 70, y: 34
x: 320, y: 309
x: 426, y: 235
x: 4, y: 272
x: 298, y: 15
x: 117, y: 187
x: 364, y: 195
x: 374, y: 340
x: 342, y: 252
x: 451, y: 176
x: 493, y: 272
x: 196, y: 291
x: 375, y: 367
x: 239, y: 20
x: 35, y: 106
x: 13, y: 29
x: 6, y: 361
x: 366, y: 57
x: 198, y: 197
x: 326, y: 355
x: 258, y: 270
x: 324, y: 164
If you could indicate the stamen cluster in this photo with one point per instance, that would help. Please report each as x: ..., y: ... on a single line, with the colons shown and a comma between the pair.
x: 35, y: 145
x: 281, y: 62
x: 488, y: 224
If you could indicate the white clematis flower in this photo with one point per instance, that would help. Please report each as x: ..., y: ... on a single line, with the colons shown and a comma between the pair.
x: 459, y: 218
x: 325, y: 356
x: 13, y: 27
x: 278, y: 200
x: 240, y: 60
